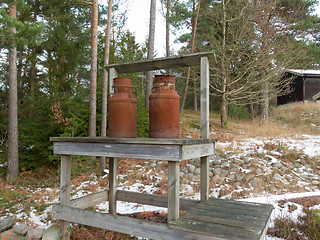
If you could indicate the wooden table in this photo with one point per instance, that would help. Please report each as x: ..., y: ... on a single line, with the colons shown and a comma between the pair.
x: 172, y: 150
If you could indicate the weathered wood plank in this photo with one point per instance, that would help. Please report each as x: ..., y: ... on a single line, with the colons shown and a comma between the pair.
x: 214, y: 230
x: 160, y: 63
x: 112, y: 75
x: 153, y: 199
x: 204, y: 98
x: 233, y: 204
x: 148, y: 141
x: 65, y: 186
x: 204, y: 178
x: 197, y: 150
x: 173, y: 190
x: 135, y: 227
x: 90, y: 200
x: 215, y: 217
x: 112, y: 185
x: 155, y: 152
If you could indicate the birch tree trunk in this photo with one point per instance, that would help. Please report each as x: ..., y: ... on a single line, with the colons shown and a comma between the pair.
x: 264, y: 105
x: 105, y: 85
x: 13, y: 154
x: 152, y: 27
x: 94, y: 69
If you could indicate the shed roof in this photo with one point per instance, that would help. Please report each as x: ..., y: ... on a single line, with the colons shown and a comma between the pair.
x: 305, y: 72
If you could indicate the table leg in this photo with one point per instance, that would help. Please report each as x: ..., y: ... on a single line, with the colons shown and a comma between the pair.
x: 112, y: 185
x: 204, y: 178
x: 173, y: 190
x: 65, y: 193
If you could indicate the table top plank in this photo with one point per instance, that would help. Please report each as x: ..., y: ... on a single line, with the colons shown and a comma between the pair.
x: 148, y: 141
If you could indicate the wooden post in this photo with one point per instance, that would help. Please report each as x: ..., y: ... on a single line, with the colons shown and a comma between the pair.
x: 113, y: 74
x: 173, y: 190
x: 112, y: 185
x: 65, y: 193
x: 204, y: 122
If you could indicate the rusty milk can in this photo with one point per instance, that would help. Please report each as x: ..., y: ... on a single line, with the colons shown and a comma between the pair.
x: 164, y: 108
x: 122, y: 110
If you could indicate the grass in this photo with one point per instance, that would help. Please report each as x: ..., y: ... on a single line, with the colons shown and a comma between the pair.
x: 308, y: 226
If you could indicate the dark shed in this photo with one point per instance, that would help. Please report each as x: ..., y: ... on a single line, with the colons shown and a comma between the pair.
x: 305, y: 86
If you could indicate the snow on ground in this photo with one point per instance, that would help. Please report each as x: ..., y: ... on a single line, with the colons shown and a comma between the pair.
x: 307, y: 144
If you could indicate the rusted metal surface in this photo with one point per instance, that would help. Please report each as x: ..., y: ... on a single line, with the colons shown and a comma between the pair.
x: 122, y: 110
x: 164, y: 108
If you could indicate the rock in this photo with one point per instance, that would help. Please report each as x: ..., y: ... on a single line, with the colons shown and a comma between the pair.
x: 277, y: 177
x: 52, y: 233
x: 277, y: 165
x: 239, y: 177
x: 196, y: 171
x: 216, y: 171
x: 196, y: 178
x: 21, y: 229
x: 210, y: 174
x: 35, y: 234
x: 185, y: 170
x: 259, y: 171
x: 315, y: 182
x: 297, y: 165
x: 246, y: 160
x: 216, y: 162
x: 181, y: 174
x: 233, y: 170
x: 191, y: 168
x: 6, y: 223
x: 232, y: 176
x: 225, y: 165
x: 224, y: 173
x: 254, y: 182
x: 153, y: 165
x: 190, y: 175
x: 10, y: 235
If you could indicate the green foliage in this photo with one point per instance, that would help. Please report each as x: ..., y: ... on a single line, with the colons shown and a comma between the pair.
x: 142, y: 118
x: 238, y: 112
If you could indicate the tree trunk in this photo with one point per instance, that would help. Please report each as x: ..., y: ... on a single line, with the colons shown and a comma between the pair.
x: 223, y: 101
x: 194, y: 30
x: 13, y: 154
x: 223, y: 111
x: 94, y: 69
x: 105, y: 85
x: 251, y: 108
x: 152, y: 27
x: 168, y: 32
x: 264, y: 105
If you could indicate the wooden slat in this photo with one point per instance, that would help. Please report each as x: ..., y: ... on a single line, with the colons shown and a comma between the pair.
x: 204, y: 178
x: 173, y: 190
x: 204, y: 98
x: 65, y: 186
x: 90, y: 200
x: 112, y: 185
x: 112, y: 75
x: 155, y: 152
x: 135, y: 227
x: 160, y: 63
x: 147, y: 141
x: 196, y: 151
x: 153, y: 199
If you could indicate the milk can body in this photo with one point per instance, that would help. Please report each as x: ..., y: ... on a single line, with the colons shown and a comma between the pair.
x: 122, y: 110
x: 164, y: 107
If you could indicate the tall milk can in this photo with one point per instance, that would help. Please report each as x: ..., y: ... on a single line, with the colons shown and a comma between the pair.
x: 164, y: 108
x: 122, y: 110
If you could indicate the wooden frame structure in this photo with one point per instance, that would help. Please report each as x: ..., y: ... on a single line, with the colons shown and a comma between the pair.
x: 173, y: 151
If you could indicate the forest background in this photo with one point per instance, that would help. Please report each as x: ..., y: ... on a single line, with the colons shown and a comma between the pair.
x: 252, y: 43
